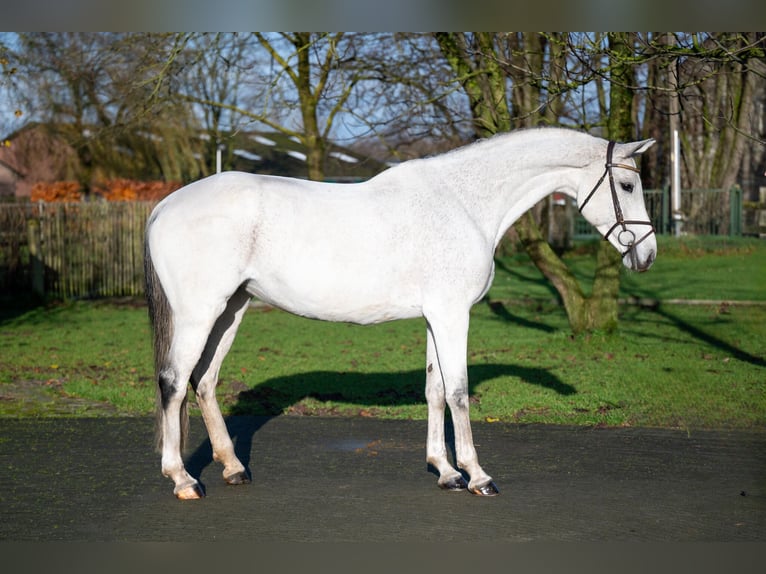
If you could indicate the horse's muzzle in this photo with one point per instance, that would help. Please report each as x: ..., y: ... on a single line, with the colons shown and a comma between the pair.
x: 633, y: 262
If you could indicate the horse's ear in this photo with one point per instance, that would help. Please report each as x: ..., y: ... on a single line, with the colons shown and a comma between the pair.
x: 636, y: 148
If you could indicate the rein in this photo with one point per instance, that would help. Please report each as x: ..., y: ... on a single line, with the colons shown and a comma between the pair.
x: 625, y: 237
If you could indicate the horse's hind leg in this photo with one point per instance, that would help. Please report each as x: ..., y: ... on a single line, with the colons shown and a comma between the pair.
x: 205, y: 378
x: 189, y: 339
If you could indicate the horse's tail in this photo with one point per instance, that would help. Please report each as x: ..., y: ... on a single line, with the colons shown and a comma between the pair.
x: 161, y: 320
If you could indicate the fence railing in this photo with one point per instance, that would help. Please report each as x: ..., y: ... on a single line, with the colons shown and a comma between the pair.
x: 73, y: 249
x: 705, y: 212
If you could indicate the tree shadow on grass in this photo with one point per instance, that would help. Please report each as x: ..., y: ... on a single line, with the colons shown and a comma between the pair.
x: 254, y: 407
x: 709, y: 339
x: 502, y: 267
x: 501, y: 311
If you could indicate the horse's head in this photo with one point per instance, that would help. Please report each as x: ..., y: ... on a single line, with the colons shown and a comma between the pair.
x: 615, y: 204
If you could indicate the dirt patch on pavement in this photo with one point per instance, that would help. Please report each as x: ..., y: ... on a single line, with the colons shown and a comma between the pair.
x: 32, y: 398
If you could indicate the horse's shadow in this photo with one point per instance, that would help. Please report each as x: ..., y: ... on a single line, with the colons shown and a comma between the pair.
x: 254, y: 407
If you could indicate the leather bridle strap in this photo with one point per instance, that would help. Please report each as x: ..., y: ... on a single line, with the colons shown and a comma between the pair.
x: 625, y: 237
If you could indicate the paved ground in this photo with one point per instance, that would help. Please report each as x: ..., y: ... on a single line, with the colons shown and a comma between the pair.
x: 325, y: 479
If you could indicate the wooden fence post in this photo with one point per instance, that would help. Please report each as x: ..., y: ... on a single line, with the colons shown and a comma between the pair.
x: 36, y: 266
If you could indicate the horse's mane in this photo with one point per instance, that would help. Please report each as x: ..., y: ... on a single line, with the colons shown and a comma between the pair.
x: 533, y: 133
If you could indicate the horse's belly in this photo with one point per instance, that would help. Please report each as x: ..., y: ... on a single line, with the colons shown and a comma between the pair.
x: 337, y: 304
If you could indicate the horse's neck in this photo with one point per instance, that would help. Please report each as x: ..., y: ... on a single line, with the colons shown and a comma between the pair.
x: 499, y: 181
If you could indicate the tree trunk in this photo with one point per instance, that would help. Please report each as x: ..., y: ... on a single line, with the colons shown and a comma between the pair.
x: 602, y: 313
x: 312, y: 138
x: 555, y: 270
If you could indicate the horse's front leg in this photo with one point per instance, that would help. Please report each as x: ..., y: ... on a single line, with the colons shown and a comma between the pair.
x: 436, y: 449
x: 450, y: 342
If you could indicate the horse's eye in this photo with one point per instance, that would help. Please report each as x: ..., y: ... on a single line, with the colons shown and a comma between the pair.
x: 627, y: 187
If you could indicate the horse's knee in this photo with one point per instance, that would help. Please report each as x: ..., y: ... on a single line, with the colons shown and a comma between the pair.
x: 170, y: 387
x: 435, y: 394
x: 457, y: 399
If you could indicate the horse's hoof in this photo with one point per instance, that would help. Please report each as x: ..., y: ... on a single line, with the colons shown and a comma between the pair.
x: 488, y: 489
x: 237, y: 478
x: 455, y: 483
x: 191, y: 492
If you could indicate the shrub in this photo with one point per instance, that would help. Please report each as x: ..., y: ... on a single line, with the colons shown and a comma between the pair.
x: 110, y: 190
x: 56, y: 191
x: 132, y: 190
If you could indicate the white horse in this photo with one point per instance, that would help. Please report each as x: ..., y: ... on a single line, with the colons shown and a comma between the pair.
x: 416, y: 240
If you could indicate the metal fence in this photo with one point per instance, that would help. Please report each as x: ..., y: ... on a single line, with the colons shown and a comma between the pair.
x: 705, y: 212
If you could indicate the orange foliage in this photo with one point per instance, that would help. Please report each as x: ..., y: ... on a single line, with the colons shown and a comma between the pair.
x: 56, y: 191
x: 132, y: 190
x: 111, y: 190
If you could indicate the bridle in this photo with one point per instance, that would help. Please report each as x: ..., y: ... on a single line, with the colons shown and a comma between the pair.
x: 625, y: 237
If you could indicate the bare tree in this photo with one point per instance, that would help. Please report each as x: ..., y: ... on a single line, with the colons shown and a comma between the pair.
x: 8, y: 75
x: 407, y: 100
x: 297, y: 83
x: 309, y: 67
x: 92, y: 91
x: 711, y: 77
x: 717, y: 77
x: 213, y: 76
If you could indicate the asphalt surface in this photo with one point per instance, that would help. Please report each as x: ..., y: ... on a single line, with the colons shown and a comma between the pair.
x: 335, y: 479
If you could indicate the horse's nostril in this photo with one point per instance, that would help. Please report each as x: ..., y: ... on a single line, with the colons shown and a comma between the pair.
x: 648, y: 262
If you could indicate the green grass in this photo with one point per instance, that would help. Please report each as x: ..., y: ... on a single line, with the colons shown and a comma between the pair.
x: 96, y: 350
x: 681, y: 366
x: 716, y: 268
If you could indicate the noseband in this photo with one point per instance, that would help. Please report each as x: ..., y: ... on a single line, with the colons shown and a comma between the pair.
x: 625, y: 237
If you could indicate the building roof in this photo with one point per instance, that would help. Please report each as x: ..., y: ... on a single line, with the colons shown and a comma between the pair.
x: 7, y: 162
x: 274, y: 153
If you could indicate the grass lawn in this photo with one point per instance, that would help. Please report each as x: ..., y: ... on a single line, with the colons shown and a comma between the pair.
x: 669, y: 365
